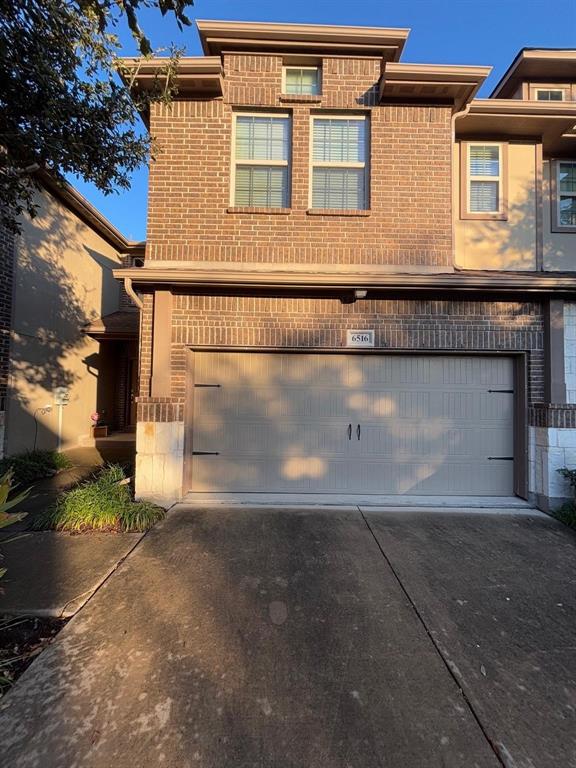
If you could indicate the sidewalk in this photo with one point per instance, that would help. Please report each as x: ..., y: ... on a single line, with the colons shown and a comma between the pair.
x: 54, y: 574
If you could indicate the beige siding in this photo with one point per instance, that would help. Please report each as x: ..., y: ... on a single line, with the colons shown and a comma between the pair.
x: 63, y: 279
x: 501, y: 245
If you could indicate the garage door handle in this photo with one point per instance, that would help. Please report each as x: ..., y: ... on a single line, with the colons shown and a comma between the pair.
x: 358, y: 431
x: 349, y: 431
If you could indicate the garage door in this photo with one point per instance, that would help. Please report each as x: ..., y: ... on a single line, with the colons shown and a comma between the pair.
x: 380, y: 424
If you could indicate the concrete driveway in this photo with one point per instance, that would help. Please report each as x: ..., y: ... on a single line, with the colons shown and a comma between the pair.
x: 315, y: 638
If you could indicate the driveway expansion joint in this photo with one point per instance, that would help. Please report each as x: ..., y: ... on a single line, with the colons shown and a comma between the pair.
x: 420, y: 618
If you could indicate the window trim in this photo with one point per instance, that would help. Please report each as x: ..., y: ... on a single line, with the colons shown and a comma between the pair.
x: 315, y: 67
x: 555, y: 196
x: 549, y: 90
x: 323, y: 164
x: 267, y: 163
x: 465, y: 212
x: 569, y: 92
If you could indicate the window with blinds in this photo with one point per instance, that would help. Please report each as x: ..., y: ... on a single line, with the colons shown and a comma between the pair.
x: 339, y: 163
x: 261, y: 164
x: 566, y: 193
x: 484, y: 178
x: 302, y: 80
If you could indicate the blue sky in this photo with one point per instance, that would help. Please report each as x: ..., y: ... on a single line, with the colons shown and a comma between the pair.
x: 488, y: 32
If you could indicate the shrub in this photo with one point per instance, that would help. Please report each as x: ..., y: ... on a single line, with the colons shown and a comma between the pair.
x: 567, y: 512
x: 6, y: 503
x: 34, y: 465
x: 103, y: 503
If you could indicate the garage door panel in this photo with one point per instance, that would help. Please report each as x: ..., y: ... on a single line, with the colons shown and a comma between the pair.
x: 292, y: 474
x: 391, y: 370
x: 434, y: 478
x: 438, y: 440
x: 422, y: 425
x: 477, y: 406
x: 286, y: 438
x: 476, y: 372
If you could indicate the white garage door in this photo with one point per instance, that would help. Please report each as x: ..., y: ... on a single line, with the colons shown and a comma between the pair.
x: 382, y: 424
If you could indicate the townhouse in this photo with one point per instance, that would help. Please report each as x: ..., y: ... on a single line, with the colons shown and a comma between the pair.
x: 359, y: 276
x: 69, y: 334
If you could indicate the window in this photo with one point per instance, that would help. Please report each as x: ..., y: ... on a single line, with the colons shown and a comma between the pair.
x: 261, y: 168
x: 485, y: 178
x: 301, y: 80
x: 549, y: 94
x: 566, y: 186
x: 339, y: 164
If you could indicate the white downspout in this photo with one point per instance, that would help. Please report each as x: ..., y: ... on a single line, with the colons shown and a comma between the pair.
x: 455, y: 198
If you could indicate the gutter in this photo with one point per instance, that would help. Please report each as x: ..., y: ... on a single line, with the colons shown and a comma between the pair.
x: 489, y: 282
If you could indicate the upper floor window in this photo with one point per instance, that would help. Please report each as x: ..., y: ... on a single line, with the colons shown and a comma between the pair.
x: 302, y: 80
x: 485, y: 178
x: 549, y: 94
x: 339, y: 165
x: 566, y: 186
x: 261, y: 163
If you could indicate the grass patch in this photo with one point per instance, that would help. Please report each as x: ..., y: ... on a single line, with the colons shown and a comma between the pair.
x: 103, y: 503
x: 566, y: 514
x: 34, y: 465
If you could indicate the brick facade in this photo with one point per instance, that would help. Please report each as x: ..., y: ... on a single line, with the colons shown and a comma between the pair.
x: 193, y: 223
x: 190, y: 214
x: 310, y: 323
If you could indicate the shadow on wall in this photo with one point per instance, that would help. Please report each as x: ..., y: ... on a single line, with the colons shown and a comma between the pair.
x: 61, y: 283
x: 511, y: 245
x: 352, y: 424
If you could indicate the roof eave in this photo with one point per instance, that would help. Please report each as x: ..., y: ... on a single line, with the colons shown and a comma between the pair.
x: 217, y: 35
x: 91, y: 216
x: 456, y: 83
x: 459, y: 281
x: 514, y: 75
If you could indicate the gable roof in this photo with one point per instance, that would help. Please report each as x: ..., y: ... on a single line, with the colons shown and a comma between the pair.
x: 540, y: 63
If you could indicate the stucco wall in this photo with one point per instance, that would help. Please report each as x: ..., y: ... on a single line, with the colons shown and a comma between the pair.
x: 62, y: 280
x: 559, y: 248
x: 510, y: 244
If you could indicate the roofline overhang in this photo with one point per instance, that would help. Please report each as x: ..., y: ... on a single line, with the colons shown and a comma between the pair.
x: 457, y: 82
x: 492, y: 282
x: 525, y: 54
x: 76, y: 202
x: 194, y: 74
x: 523, y: 108
x: 218, y: 35
x: 551, y: 122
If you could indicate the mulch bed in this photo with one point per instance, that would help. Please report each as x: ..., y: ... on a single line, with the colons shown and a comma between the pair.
x: 22, y: 638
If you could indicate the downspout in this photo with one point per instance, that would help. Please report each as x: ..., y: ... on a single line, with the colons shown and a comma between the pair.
x: 132, y: 293
x: 455, y: 116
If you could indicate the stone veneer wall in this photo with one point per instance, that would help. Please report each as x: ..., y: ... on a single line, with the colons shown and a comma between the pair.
x: 553, y: 431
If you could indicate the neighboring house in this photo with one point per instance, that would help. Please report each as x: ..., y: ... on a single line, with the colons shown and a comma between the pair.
x: 67, y: 325
x: 359, y: 278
